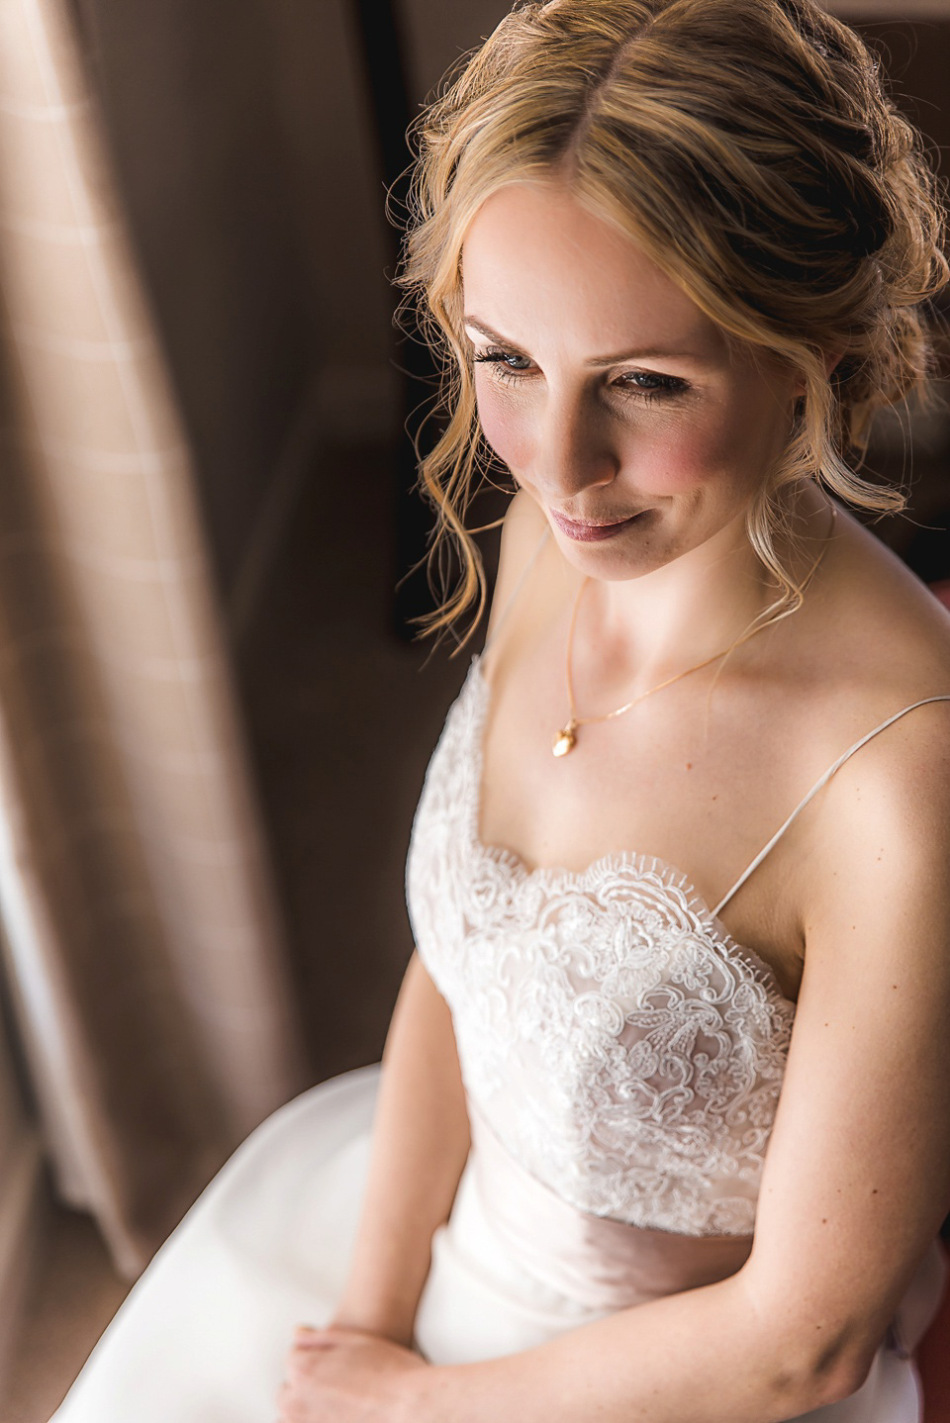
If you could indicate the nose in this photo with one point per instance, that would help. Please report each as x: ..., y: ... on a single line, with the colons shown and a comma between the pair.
x: 573, y: 449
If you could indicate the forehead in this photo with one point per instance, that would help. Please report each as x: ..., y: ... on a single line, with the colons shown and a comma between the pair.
x: 543, y: 269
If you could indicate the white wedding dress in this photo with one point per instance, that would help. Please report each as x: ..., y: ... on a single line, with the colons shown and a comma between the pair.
x: 622, y: 1059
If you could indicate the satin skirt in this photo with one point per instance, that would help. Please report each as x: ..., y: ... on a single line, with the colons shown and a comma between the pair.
x: 203, y: 1334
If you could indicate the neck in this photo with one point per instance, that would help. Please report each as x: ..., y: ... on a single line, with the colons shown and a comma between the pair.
x: 632, y: 633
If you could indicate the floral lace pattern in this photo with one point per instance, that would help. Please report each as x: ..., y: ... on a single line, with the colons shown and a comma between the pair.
x: 621, y: 1046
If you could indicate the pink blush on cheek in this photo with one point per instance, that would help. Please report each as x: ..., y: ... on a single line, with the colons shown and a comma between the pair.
x: 502, y: 431
x: 668, y: 477
x: 677, y: 471
x: 696, y: 460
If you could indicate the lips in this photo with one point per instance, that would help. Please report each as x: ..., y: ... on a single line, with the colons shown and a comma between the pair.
x: 587, y: 531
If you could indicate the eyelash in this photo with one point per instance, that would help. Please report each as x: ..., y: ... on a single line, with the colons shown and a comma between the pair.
x: 668, y: 387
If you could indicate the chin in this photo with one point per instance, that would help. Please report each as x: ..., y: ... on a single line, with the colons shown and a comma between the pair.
x: 610, y: 562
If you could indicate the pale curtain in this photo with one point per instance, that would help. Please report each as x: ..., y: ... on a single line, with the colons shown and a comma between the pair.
x: 142, y: 944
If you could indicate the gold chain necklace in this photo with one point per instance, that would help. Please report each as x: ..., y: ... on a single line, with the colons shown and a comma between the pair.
x: 566, y: 738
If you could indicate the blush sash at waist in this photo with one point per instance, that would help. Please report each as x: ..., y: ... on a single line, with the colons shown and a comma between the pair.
x: 600, y: 1262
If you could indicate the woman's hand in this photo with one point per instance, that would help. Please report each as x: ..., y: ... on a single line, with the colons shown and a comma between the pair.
x: 345, y: 1376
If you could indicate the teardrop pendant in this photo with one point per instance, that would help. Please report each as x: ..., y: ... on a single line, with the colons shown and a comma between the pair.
x: 566, y: 739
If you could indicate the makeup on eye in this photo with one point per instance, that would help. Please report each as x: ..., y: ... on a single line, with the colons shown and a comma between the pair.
x: 648, y: 384
x: 501, y: 358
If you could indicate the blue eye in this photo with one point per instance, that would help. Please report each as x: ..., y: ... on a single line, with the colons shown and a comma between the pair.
x: 645, y: 385
x: 504, y: 363
x: 653, y: 383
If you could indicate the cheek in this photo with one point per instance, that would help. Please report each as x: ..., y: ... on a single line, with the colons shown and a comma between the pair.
x: 699, y: 455
x: 687, y: 458
x: 506, y: 429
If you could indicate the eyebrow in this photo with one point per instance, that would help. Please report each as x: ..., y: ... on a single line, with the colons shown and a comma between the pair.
x: 653, y: 354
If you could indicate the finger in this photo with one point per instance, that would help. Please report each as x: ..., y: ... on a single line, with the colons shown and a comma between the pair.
x: 306, y: 1334
x: 315, y: 1340
x: 299, y: 1366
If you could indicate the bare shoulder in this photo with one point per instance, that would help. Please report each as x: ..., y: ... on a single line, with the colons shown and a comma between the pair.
x: 900, y: 779
x: 883, y: 839
x: 897, y: 631
x: 883, y: 821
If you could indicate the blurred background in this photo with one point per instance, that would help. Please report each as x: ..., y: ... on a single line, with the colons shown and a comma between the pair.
x: 214, y: 720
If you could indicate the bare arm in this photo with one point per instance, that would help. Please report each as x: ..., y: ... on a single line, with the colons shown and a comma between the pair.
x: 858, y: 1171
x: 420, y: 1144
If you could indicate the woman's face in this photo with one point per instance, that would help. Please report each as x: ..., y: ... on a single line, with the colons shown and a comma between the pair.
x: 614, y: 401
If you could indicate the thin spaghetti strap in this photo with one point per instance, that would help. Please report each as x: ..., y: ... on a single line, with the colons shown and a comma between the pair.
x: 819, y: 785
x: 516, y: 590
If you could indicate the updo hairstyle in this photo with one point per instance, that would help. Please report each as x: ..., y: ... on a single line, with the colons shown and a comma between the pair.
x: 747, y: 146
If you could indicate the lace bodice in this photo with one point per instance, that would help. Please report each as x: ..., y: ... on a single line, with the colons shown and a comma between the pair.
x: 619, y: 1044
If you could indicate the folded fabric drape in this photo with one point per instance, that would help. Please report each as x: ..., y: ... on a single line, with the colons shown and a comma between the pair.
x: 142, y: 941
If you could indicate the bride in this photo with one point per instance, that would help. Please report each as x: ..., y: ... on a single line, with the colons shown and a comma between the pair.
x: 662, y: 1129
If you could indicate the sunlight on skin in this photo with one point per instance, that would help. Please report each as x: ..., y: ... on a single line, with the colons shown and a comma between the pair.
x: 611, y: 394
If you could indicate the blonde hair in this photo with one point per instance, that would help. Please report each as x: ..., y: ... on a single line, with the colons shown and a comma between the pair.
x: 748, y: 147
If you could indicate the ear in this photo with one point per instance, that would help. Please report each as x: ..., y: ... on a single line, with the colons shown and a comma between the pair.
x: 832, y: 361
